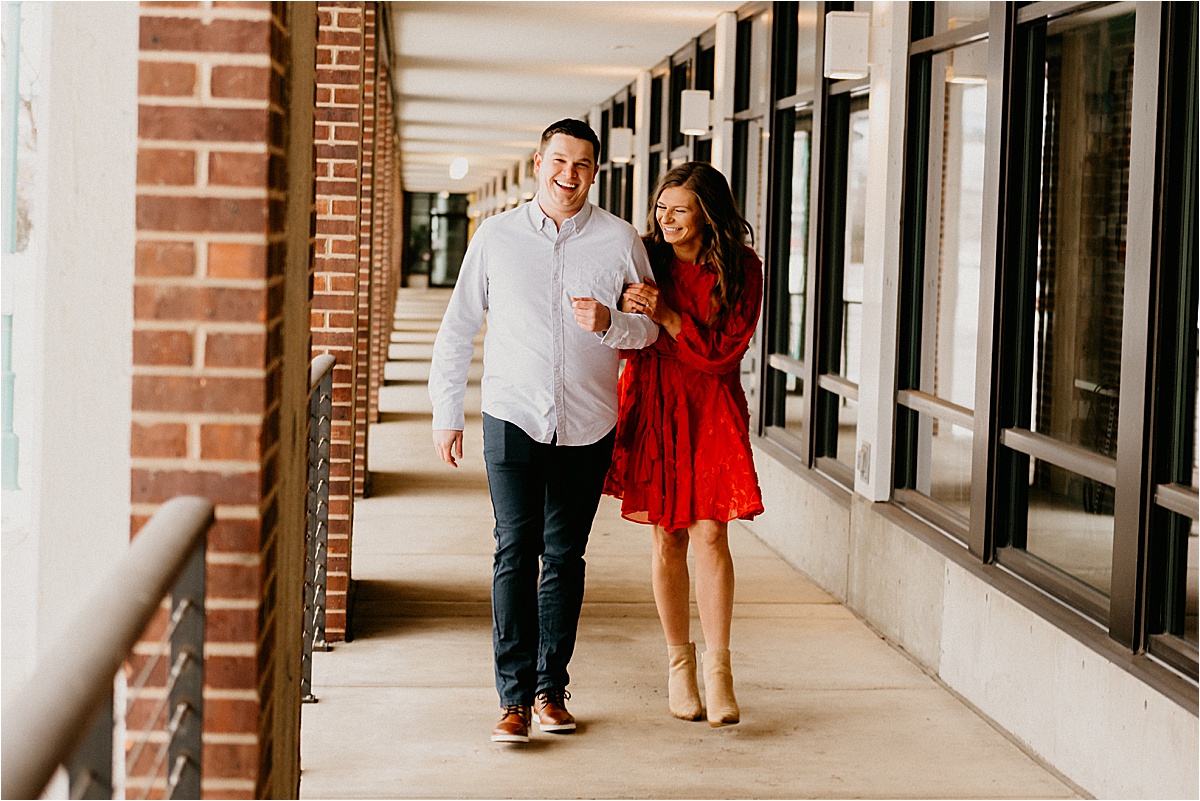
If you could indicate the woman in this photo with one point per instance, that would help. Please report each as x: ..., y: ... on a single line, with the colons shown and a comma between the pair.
x: 682, y: 461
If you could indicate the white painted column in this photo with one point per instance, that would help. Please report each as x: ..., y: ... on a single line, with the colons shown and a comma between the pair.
x: 724, y: 75
x: 594, y: 121
x: 641, y: 152
x: 74, y: 300
x: 881, y: 250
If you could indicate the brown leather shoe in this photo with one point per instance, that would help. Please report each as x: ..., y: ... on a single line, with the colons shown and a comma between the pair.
x: 513, y: 726
x: 551, y: 709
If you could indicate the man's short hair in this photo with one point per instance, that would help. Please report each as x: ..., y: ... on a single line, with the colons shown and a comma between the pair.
x: 574, y: 128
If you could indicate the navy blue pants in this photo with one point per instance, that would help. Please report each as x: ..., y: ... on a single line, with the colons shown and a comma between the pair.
x: 544, y: 498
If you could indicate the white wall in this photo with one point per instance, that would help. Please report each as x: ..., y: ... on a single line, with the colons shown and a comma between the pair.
x: 72, y: 304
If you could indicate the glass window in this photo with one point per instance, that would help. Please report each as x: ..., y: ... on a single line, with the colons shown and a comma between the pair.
x: 934, y: 423
x: 679, y: 82
x: 786, y: 370
x: 855, y: 235
x: 953, y: 15
x: 742, y: 65
x: 1081, y: 255
x: 656, y: 105
x: 1070, y: 524
x: 1079, y: 284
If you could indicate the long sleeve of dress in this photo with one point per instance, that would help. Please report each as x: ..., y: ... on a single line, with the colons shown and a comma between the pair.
x: 719, y: 349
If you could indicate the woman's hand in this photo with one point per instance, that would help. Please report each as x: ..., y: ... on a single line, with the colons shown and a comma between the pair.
x: 641, y: 299
x: 644, y: 298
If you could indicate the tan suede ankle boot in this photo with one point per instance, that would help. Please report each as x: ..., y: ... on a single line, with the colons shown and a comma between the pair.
x: 683, y: 696
x: 718, y: 688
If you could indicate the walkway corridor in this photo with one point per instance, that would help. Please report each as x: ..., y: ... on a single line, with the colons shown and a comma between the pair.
x: 829, y: 710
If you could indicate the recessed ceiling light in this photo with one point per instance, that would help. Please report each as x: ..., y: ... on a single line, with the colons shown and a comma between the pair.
x: 458, y: 168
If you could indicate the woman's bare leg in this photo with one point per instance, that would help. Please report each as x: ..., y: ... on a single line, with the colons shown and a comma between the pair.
x: 714, y: 581
x: 669, y: 576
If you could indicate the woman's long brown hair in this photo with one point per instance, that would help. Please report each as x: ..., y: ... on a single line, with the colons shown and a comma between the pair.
x: 724, y: 234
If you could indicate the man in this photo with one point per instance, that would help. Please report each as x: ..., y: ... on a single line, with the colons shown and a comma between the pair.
x: 548, y: 275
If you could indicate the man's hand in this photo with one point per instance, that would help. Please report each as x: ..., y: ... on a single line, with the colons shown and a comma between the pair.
x: 591, y: 314
x: 448, y: 444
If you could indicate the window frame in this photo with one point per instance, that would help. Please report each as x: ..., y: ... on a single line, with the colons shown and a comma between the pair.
x: 1136, y: 473
x: 786, y: 99
x: 926, y: 42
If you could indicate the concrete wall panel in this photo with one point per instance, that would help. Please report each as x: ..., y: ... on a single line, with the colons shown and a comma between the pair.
x: 806, y: 527
x: 896, y: 582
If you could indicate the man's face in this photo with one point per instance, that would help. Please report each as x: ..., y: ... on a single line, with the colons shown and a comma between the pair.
x: 565, y: 173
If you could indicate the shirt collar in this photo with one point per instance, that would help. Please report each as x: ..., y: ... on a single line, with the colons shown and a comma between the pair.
x: 539, y: 218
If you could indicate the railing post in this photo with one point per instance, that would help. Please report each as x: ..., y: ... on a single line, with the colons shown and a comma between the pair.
x: 184, y: 753
x: 89, y: 770
x: 325, y: 424
x: 317, y: 528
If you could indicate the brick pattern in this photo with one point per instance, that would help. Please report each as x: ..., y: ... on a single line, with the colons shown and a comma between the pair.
x: 385, y: 272
x: 338, y: 152
x: 208, y: 313
x: 366, y: 233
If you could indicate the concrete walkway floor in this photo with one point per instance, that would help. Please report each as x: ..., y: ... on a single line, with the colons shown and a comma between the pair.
x: 829, y: 709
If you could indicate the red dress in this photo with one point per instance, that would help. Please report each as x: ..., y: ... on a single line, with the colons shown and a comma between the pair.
x: 682, y: 449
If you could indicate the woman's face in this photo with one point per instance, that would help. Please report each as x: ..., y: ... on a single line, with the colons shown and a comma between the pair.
x: 679, y: 216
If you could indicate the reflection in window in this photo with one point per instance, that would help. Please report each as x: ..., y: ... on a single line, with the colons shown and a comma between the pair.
x: 1081, y: 257
x: 944, y: 464
x: 856, y: 225
x: 954, y: 299
x: 949, y: 16
x: 1192, y: 590
x: 797, y: 270
x: 1066, y: 528
x: 1079, y: 285
x: 847, y: 428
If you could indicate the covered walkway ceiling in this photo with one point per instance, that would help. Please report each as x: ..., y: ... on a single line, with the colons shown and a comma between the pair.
x: 483, y: 79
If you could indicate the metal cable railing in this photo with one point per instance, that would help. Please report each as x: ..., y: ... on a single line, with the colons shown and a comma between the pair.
x: 320, y: 418
x: 64, y: 716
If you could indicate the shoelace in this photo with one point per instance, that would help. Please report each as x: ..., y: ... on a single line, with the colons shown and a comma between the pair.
x: 514, y: 709
x: 555, y: 696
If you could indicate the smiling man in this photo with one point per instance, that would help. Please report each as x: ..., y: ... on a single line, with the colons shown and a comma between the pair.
x: 547, y: 276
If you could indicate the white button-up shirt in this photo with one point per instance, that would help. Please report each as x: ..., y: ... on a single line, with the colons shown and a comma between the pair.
x: 541, y: 371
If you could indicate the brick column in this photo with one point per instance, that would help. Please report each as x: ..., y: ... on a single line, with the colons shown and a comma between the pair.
x: 209, y: 389
x: 382, y: 291
x: 338, y: 140
x: 366, y: 246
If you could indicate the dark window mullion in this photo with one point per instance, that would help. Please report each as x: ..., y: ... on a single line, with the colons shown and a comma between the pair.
x: 1015, y: 284
x: 916, y: 194
x: 830, y: 266
x: 1172, y: 439
x: 772, y: 408
x: 1133, y: 491
x: 981, y: 538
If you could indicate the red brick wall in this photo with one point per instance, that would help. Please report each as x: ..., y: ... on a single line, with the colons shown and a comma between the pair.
x: 366, y: 223
x: 384, y: 272
x: 338, y: 151
x: 208, y: 307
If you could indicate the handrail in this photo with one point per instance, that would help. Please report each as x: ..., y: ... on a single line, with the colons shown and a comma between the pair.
x: 45, y: 721
x: 320, y: 366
